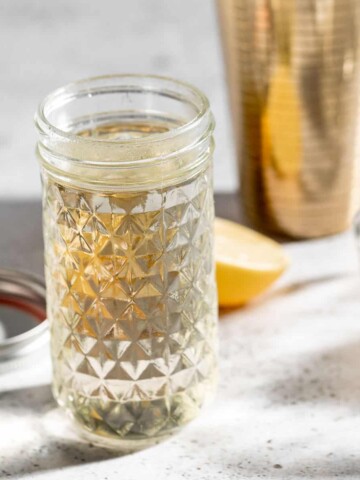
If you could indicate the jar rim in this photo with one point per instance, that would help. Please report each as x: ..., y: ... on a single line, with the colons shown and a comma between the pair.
x: 70, y: 91
x: 123, y: 163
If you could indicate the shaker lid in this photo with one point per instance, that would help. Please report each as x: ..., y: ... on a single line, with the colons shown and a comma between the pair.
x: 23, y: 324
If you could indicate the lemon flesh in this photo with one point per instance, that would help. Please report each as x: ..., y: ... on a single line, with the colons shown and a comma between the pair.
x: 246, y: 262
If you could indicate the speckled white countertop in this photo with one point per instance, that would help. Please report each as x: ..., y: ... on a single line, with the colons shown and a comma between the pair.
x: 288, y: 405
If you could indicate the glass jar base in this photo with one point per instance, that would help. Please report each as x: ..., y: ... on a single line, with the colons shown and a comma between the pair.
x: 122, y: 445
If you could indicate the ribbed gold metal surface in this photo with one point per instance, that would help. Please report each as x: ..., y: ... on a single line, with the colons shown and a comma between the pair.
x: 294, y: 75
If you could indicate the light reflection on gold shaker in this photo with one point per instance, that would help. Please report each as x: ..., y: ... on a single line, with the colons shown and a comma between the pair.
x: 294, y: 75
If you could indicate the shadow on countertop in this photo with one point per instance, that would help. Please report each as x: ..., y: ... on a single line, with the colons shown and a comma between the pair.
x: 327, y: 377
x: 56, y: 452
x: 59, y: 447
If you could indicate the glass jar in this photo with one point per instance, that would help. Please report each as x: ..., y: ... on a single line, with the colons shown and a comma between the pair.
x: 126, y: 163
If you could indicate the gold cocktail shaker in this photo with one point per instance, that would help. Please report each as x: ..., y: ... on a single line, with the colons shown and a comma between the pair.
x: 294, y: 75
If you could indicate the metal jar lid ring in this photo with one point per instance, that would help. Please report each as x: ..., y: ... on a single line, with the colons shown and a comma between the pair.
x: 24, y: 292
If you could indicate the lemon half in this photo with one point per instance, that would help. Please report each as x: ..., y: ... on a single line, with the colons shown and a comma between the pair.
x: 246, y: 262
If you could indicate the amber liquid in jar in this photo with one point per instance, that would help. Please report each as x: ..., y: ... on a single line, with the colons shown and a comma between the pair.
x: 132, y: 300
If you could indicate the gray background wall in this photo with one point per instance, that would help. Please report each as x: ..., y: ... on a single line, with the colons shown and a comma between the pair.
x: 44, y: 44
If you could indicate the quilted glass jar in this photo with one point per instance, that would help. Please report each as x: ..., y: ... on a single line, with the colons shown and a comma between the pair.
x: 126, y: 165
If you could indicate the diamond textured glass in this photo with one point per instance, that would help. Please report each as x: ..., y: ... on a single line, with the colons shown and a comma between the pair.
x: 126, y: 166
